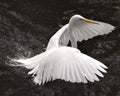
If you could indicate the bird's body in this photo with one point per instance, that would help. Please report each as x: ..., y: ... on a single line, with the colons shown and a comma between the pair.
x: 62, y: 62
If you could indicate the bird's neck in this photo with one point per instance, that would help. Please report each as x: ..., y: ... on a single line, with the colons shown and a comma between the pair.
x: 54, y: 40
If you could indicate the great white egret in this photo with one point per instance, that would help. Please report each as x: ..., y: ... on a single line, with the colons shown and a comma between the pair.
x: 68, y: 63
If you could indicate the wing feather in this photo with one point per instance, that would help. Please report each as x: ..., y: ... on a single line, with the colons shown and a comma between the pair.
x: 84, y: 31
x: 66, y: 63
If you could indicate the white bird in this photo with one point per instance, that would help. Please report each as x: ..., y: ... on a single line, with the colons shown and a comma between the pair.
x: 67, y: 63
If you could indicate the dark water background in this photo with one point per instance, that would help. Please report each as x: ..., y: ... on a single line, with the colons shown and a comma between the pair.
x: 27, y: 25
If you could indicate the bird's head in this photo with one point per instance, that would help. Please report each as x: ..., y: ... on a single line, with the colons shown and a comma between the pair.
x: 77, y: 18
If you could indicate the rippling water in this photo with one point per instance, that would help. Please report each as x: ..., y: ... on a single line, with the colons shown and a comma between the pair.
x: 25, y: 28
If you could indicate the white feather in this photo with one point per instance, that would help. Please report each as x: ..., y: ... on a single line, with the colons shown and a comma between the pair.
x: 65, y: 63
x: 84, y: 31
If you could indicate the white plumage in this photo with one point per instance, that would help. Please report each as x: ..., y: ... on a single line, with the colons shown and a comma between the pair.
x: 68, y: 63
x: 80, y: 30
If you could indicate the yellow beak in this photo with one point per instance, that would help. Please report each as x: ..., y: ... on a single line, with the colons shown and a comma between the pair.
x: 90, y: 21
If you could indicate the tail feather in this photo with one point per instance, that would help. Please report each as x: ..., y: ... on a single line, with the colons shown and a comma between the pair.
x: 64, y: 63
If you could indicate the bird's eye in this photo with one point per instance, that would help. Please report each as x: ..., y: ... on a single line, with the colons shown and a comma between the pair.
x: 80, y: 19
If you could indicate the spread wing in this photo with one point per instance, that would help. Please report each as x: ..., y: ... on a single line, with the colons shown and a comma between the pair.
x: 64, y: 63
x: 84, y: 31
